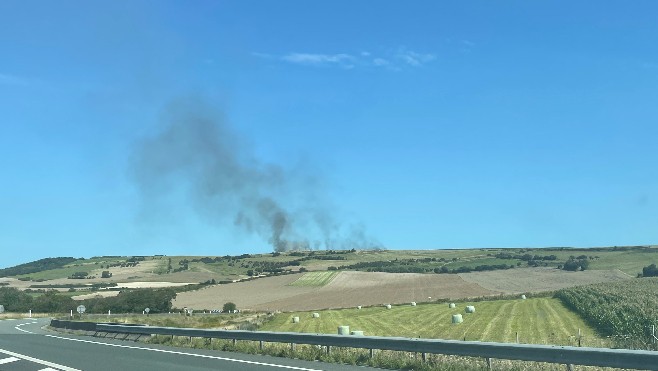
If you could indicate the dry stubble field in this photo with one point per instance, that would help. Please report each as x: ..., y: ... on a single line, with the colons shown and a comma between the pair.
x: 521, y: 280
x: 348, y: 289
x: 352, y: 288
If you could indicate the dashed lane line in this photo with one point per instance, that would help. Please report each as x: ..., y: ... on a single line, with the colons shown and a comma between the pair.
x: 23, y: 324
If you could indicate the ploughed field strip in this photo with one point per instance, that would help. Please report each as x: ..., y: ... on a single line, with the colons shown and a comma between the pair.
x: 537, y: 321
x: 315, y: 279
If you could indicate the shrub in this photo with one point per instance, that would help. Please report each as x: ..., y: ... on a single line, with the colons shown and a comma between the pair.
x: 229, y: 307
x: 650, y: 271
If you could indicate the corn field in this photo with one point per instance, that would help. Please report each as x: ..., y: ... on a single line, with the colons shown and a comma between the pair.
x: 623, y: 311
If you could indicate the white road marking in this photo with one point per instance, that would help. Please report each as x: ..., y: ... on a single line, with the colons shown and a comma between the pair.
x: 25, y: 331
x: 48, y: 369
x: 39, y: 361
x: 4, y: 361
x: 185, y: 354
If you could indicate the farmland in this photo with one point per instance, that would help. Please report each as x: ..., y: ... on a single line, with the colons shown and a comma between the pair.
x: 624, y: 309
x: 537, y: 321
x: 347, y: 289
x: 195, y: 269
x: 521, y: 280
x: 315, y: 279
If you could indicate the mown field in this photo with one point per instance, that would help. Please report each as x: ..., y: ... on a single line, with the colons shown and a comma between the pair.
x: 625, y: 310
x: 315, y: 279
x: 537, y: 321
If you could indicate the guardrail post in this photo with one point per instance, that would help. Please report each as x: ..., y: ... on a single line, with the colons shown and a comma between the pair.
x: 292, y: 346
x: 235, y: 342
x: 423, y: 356
x: 489, y: 364
x: 372, y: 353
x: 569, y: 367
x: 328, y: 349
x: 260, y: 345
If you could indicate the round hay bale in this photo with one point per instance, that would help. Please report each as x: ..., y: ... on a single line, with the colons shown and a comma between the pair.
x: 470, y: 309
x: 523, y: 297
x: 451, y: 305
x: 356, y: 333
x: 343, y: 330
x: 457, y: 318
x: 295, y: 319
x: 316, y: 315
x: 413, y: 303
x: 388, y: 306
x: 358, y: 307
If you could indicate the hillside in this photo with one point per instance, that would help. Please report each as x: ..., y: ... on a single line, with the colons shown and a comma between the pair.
x: 368, y: 277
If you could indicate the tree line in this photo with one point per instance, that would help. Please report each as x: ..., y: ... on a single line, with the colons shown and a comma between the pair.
x: 133, y: 301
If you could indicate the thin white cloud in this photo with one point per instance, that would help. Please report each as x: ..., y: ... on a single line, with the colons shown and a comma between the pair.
x: 318, y: 59
x: 415, y: 59
x: 380, y: 62
x: 392, y: 60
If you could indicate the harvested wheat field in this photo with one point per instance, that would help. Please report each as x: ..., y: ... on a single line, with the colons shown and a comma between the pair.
x: 540, y: 279
x: 348, y: 289
x: 246, y: 295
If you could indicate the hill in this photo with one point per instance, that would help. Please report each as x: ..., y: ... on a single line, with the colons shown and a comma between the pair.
x: 368, y: 277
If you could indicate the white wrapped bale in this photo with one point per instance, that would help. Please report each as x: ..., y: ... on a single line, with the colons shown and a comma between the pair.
x: 343, y: 330
x: 457, y: 318
x: 470, y: 309
x: 356, y: 333
x: 413, y: 303
x: 451, y: 305
x: 388, y: 306
x: 523, y: 297
x: 316, y: 315
x: 295, y: 319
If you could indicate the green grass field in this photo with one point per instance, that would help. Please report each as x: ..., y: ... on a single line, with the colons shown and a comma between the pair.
x: 537, y: 321
x: 315, y: 279
x: 86, y: 265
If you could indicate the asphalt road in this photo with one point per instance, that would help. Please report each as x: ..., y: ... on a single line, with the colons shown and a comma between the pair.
x: 25, y: 346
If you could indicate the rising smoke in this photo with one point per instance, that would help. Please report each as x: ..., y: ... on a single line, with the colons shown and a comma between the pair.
x: 197, y: 151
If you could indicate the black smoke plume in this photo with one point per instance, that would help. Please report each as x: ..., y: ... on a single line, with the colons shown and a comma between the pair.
x: 197, y: 151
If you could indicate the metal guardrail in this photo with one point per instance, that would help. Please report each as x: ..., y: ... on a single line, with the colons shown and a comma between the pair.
x: 602, y: 357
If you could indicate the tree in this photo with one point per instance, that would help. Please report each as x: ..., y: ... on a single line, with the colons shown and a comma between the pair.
x: 106, y: 274
x: 650, y: 271
x: 79, y: 275
x: 229, y: 307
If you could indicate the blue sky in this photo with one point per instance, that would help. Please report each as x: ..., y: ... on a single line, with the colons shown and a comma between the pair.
x: 428, y: 124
